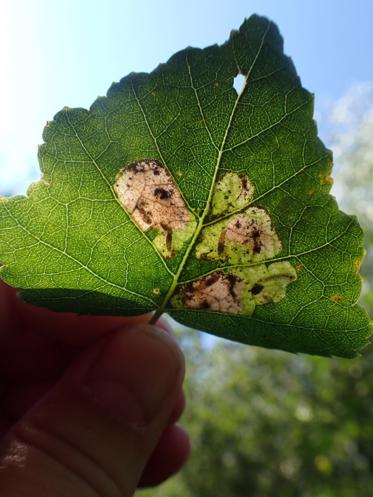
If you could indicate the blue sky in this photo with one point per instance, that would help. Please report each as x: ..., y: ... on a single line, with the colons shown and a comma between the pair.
x: 67, y: 52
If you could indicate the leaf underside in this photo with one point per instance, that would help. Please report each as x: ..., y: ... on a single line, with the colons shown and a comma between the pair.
x: 74, y: 242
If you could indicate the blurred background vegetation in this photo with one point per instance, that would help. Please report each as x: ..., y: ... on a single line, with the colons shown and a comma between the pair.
x: 271, y: 424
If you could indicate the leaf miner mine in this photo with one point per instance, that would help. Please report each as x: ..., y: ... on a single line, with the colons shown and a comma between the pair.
x: 149, y: 194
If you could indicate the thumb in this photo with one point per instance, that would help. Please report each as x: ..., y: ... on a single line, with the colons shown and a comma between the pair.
x: 94, y: 432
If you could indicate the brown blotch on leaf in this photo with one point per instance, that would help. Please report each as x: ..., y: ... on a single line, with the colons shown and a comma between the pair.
x: 232, y: 280
x: 210, y: 280
x: 243, y: 231
x: 162, y: 193
x: 221, y: 242
x: 256, y: 289
x: 217, y: 292
x: 336, y: 298
x: 257, y: 244
x: 148, y: 192
x: 168, y: 239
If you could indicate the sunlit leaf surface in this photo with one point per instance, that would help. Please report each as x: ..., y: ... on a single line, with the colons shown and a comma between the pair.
x: 178, y: 192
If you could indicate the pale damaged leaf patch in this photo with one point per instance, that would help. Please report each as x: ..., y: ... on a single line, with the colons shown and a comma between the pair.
x: 150, y: 195
x: 230, y: 193
x: 217, y: 292
x: 237, y: 291
x: 242, y: 238
x: 245, y: 238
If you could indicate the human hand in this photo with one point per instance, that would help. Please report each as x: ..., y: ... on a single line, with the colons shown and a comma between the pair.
x: 88, y: 404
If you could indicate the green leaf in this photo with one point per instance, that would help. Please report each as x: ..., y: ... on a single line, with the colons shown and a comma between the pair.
x: 177, y: 193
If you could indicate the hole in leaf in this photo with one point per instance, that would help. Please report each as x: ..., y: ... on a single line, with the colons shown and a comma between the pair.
x: 238, y: 83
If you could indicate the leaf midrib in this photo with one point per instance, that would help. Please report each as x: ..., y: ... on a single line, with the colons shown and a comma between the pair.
x: 221, y: 152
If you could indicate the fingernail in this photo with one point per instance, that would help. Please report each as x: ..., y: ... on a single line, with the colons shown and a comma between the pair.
x: 136, y: 375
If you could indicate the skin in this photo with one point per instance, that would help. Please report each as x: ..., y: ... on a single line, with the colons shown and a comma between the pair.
x: 38, y: 350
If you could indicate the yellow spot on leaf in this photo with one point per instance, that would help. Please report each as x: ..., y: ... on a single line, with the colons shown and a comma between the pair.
x: 326, y: 179
x: 357, y: 264
x: 299, y: 268
x: 336, y: 298
x: 156, y: 291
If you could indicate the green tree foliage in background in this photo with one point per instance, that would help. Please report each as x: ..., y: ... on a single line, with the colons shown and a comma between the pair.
x: 271, y: 424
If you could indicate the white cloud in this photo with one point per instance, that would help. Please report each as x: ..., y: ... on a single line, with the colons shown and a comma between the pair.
x: 351, y: 122
x: 348, y: 109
